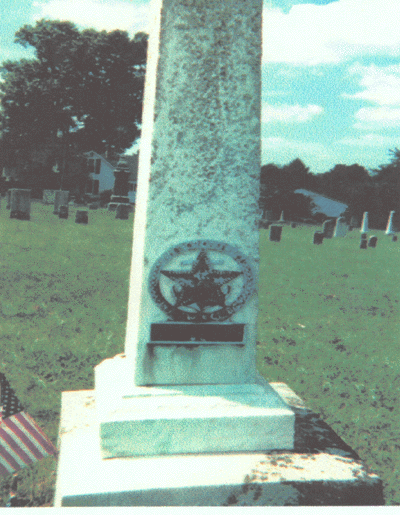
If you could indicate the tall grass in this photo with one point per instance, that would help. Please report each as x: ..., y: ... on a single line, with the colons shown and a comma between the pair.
x: 328, y: 326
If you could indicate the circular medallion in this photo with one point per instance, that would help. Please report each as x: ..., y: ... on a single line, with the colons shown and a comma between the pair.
x: 201, y: 281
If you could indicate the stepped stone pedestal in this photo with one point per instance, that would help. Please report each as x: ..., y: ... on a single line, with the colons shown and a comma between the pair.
x: 320, y: 469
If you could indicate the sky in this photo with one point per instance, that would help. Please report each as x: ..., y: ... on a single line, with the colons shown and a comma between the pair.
x: 330, y: 71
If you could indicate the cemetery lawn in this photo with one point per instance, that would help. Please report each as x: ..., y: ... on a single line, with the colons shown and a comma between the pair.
x: 328, y: 326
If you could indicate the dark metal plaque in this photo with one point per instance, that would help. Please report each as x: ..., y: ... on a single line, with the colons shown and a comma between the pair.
x: 209, y: 291
x: 181, y: 332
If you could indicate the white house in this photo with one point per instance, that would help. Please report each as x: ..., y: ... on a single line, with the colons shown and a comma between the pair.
x: 101, y: 174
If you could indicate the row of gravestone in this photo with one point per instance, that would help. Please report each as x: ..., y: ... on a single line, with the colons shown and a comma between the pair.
x: 19, y: 203
x: 330, y: 229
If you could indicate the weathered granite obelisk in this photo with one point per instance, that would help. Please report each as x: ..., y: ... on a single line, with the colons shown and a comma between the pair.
x: 189, y: 360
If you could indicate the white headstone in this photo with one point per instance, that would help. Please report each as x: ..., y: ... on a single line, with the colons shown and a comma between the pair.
x: 340, y: 227
x: 390, y: 228
x: 364, y: 223
x: 189, y: 362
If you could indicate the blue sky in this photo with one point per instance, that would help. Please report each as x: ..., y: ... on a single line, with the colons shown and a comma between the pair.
x: 331, y: 71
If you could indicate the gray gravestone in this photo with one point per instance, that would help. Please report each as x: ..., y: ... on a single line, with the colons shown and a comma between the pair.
x: 49, y: 196
x: 363, y: 243
x: 275, y: 233
x: 394, y: 237
x: 82, y: 217
x: 364, y: 236
x: 372, y: 241
x: 327, y: 228
x: 60, y: 199
x: 20, y: 204
x: 122, y: 211
x: 8, y: 198
x: 63, y: 212
x: 318, y: 238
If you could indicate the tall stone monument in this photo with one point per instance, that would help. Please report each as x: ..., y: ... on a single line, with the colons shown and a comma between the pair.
x: 191, y: 332
x: 183, y: 414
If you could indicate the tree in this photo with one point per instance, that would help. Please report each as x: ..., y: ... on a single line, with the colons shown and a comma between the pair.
x: 83, y: 92
x: 277, y: 186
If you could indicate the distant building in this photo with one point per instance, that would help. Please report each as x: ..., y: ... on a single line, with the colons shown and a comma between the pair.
x: 324, y: 205
x: 101, y: 174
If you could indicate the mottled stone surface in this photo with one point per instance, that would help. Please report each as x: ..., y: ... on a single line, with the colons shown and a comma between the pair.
x: 199, y: 157
x: 321, y: 470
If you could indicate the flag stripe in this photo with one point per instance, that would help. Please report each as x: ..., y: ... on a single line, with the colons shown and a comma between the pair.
x: 23, y: 438
x: 15, y: 446
x: 5, y: 468
x: 7, y: 456
x: 35, y: 432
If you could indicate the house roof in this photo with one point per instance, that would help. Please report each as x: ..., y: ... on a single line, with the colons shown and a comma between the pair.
x: 131, y: 160
x: 325, y: 205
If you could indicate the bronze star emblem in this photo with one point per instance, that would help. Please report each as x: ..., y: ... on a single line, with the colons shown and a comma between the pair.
x: 202, y: 286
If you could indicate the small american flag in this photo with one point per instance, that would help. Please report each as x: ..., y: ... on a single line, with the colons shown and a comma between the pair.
x: 21, y: 440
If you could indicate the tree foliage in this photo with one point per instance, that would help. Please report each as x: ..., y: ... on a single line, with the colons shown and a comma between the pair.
x: 277, y: 187
x: 83, y: 92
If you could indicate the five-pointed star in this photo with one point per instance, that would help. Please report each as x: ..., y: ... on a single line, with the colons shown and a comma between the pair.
x: 202, y: 285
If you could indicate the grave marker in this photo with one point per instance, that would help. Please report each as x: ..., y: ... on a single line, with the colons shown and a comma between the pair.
x: 318, y: 238
x: 49, y: 196
x: 122, y: 211
x: 60, y: 199
x: 340, y: 228
x: 20, y: 204
x: 327, y: 228
x: 363, y: 243
x: 372, y: 241
x: 275, y: 233
x: 63, y: 212
x: 82, y: 217
x: 389, y: 227
x: 187, y: 387
x: 364, y: 223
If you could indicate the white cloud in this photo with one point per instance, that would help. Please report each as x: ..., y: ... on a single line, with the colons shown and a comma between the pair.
x: 381, y: 84
x: 369, y: 118
x: 289, y: 113
x: 108, y: 15
x: 370, y: 140
x: 313, y: 34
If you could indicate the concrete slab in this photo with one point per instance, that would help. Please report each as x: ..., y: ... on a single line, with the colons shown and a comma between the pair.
x: 321, y: 470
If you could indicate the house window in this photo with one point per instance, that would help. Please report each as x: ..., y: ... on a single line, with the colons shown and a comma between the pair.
x: 91, y: 165
x: 95, y: 187
x: 98, y: 166
x: 131, y: 186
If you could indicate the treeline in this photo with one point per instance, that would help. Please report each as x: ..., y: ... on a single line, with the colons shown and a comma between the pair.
x: 82, y: 92
x: 376, y: 191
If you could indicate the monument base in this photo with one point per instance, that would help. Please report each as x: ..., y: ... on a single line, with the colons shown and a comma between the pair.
x: 179, y: 419
x: 320, y: 470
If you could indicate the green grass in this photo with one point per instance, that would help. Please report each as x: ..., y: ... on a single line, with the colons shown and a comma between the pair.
x: 329, y: 327
x: 328, y: 323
